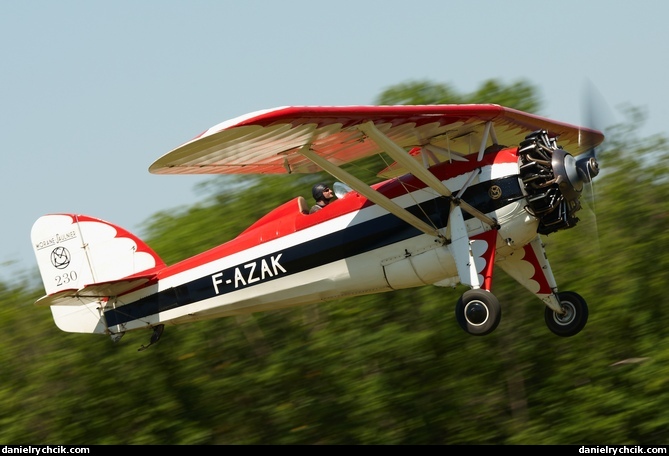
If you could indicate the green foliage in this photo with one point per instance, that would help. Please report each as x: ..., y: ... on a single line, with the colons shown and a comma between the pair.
x: 519, y: 95
x: 392, y: 368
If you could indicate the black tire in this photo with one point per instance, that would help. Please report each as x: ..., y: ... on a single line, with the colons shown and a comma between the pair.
x: 478, y: 312
x: 575, y: 318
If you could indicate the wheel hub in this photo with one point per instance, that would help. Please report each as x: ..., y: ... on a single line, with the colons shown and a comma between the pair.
x: 567, y: 316
x: 476, y: 313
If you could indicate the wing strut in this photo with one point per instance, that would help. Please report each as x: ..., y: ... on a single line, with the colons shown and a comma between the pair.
x: 369, y: 193
x: 486, y: 132
x: 404, y: 159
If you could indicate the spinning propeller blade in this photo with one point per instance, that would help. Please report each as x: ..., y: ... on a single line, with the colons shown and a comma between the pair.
x: 587, y: 163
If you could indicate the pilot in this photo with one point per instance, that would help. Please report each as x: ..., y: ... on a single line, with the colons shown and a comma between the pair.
x: 322, y: 194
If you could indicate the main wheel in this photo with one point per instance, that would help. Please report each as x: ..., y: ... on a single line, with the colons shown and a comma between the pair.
x: 478, y: 312
x: 573, y: 320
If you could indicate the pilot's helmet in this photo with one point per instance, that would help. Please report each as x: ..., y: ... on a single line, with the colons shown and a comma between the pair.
x: 317, y: 191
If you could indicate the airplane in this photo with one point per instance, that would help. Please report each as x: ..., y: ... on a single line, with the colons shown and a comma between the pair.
x: 465, y: 187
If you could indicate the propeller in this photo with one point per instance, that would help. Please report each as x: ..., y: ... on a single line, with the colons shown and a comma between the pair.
x: 587, y: 164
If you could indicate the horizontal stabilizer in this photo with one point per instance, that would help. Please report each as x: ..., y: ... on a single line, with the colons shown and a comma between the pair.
x: 93, y: 293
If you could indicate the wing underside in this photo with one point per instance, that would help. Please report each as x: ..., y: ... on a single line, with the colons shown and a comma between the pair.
x: 271, y: 141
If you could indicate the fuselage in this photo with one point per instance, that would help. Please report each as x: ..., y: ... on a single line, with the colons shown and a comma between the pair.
x: 351, y: 247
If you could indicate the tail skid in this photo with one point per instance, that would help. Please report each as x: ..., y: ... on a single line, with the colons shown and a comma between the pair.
x: 83, y: 262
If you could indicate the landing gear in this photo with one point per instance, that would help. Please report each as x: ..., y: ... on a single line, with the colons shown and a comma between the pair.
x: 478, y: 312
x: 155, y: 337
x: 115, y: 337
x: 574, y: 318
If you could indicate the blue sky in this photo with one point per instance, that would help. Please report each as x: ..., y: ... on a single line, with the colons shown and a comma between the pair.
x: 93, y: 92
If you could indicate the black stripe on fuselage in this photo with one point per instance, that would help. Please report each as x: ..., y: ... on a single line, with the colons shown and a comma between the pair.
x: 351, y: 241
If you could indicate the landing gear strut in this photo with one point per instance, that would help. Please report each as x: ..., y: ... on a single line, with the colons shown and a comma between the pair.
x: 478, y: 312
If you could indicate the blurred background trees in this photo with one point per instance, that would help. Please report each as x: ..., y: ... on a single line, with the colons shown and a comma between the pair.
x: 393, y: 368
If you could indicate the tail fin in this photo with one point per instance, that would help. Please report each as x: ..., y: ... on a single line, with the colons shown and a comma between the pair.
x: 77, y: 251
